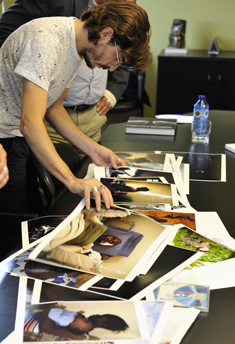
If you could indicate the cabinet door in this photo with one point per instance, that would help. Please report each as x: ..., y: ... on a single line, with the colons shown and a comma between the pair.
x: 180, y: 81
x: 225, y: 85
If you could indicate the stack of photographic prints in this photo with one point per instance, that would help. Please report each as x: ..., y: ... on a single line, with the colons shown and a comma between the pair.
x: 125, y: 273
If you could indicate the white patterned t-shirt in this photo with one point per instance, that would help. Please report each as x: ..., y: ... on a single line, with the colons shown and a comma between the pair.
x: 42, y: 51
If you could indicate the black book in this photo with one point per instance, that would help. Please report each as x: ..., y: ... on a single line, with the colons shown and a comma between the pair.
x: 150, y: 125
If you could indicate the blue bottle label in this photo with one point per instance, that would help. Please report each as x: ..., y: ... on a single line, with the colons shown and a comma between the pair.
x: 201, y: 114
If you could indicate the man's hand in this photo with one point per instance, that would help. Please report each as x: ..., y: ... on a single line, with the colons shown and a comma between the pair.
x: 102, y: 156
x: 103, y: 106
x: 89, y: 187
x: 4, y: 173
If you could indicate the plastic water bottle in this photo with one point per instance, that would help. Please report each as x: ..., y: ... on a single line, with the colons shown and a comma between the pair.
x: 201, y: 111
x: 200, y: 127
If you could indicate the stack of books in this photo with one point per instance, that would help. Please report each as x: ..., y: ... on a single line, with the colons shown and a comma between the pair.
x: 150, y: 126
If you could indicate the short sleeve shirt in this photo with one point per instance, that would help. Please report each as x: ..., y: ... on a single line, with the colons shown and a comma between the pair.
x: 62, y: 317
x: 42, y: 51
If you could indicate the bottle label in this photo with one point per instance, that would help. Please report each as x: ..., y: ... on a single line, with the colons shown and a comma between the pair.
x: 200, y: 114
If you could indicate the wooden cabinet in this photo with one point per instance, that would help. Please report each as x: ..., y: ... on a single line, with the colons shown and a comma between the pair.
x: 182, y: 78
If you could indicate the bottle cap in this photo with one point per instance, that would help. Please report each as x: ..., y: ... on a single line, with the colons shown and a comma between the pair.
x: 201, y: 97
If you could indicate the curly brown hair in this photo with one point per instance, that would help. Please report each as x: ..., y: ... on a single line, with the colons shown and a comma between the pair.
x: 131, y: 29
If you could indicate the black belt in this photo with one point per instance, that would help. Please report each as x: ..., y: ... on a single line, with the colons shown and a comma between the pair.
x: 81, y: 108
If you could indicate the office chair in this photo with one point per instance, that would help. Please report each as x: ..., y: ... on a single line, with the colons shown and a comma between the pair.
x: 39, y: 181
x: 37, y: 178
x: 135, y: 95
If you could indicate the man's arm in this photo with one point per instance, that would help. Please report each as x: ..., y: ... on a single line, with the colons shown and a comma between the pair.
x: 58, y: 117
x: 34, y: 104
x: 34, y: 131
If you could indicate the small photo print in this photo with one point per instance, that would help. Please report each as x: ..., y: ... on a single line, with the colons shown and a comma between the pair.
x: 82, y: 321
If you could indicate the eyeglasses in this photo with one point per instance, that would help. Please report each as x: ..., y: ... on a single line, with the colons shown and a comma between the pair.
x: 118, y: 63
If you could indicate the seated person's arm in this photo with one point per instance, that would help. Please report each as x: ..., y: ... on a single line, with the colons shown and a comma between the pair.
x: 116, y: 85
x: 4, y: 174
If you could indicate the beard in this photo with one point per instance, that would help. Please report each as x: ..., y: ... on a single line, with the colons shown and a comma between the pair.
x: 86, y: 54
x: 91, y: 58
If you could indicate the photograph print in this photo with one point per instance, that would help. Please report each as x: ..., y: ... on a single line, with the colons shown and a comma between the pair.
x: 95, y: 321
x: 112, y: 243
x: 36, y: 228
x: 213, y: 252
x: 135, y: 191
x: 139, y: 173
x: 19, y: 264
x: 204, y: 166
x: 171, y: 218
x: 148, y: 160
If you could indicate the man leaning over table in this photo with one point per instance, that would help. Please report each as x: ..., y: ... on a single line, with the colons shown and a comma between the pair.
x: 81, y: 102
x: 88, y: 101
x: 39, y: 62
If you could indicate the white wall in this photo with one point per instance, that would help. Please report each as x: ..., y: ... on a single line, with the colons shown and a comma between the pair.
x: 205, y: 19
